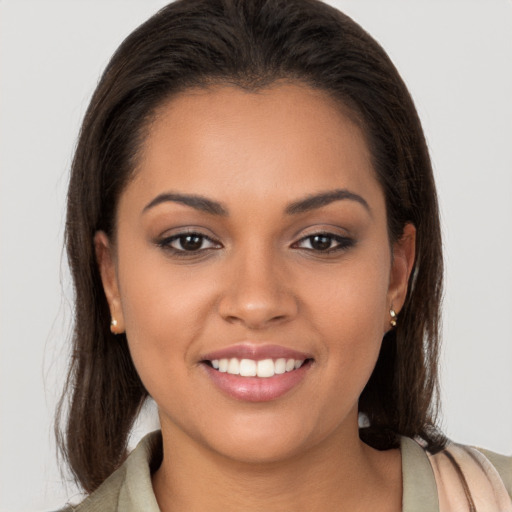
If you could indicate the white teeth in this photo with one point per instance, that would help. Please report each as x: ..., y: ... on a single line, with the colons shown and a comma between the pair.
x: 247, y: 368
x: 250, y: 368
x: 234, y: 366
x: 280, y: 366
x: 266, y: 368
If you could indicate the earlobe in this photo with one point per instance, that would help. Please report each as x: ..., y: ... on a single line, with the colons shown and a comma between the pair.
x: 404, y: 252
x: 105, y: 259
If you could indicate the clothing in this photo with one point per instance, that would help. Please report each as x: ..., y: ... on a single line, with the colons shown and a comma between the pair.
x: 430, y: 482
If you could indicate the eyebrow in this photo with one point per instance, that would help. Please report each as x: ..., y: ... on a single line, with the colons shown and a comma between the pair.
x: 200, y: 203
x: 323, y: 199
x: 212, y: 207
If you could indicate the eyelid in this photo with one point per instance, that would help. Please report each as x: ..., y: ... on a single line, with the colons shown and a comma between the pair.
x: 165, y: 241
x: 343, y: 242
x: 184, y: 230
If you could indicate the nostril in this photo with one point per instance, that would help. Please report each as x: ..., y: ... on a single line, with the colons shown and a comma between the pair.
x: 256, y: 307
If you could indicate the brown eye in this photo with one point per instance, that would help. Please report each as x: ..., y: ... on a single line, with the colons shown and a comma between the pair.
x: 188, y: 242
x: 324, y: 242
x: 320, y: 242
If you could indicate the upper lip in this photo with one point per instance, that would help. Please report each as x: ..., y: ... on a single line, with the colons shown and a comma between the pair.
x: 256, y: 352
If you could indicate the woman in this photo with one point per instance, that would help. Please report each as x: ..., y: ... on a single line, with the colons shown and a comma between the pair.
x: 253, y: 234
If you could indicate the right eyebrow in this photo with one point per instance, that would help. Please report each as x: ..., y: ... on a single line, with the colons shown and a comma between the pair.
x: 323, y: 199
x: 200, y: 203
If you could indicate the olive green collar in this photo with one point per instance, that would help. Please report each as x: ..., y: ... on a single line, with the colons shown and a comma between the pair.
x: 419, y: 484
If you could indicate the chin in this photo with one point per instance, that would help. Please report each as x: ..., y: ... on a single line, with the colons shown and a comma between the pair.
x: 260, y: 439
x: 259, y: 452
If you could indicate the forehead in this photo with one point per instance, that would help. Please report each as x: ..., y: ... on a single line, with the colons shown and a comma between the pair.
x: 288, y: 138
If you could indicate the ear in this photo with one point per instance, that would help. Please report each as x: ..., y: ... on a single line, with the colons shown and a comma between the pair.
x: 404, y: 251
x: 105, y: 258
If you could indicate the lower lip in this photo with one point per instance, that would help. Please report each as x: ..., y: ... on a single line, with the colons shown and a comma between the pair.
x: 257, y: 389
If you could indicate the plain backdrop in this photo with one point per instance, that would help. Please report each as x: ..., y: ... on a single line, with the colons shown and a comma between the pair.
x: 456, y: 58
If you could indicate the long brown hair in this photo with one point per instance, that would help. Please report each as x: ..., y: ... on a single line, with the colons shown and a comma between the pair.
x: 250, y: 44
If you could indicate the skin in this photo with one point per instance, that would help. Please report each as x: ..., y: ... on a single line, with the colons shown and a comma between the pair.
x: 260, y: 280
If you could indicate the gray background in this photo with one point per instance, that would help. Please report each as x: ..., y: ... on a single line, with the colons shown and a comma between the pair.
x: 456, y: 58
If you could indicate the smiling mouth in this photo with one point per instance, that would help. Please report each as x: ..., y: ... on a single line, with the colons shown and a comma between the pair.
x: 264, y: 368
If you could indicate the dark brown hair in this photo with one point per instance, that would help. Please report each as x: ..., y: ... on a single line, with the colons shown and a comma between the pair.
x: 250, y: 44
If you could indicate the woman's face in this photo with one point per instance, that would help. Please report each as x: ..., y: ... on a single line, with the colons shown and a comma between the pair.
x: 253, y: 239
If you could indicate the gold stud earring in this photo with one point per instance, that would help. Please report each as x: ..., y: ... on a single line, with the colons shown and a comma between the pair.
x: 113, y: 325
x: 392, y: 314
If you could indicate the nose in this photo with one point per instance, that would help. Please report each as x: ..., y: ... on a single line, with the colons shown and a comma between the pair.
x: 257, y: 293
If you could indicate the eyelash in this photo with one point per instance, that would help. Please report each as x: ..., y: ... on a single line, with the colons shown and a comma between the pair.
x: 343, y: 243
x: 166, y: 242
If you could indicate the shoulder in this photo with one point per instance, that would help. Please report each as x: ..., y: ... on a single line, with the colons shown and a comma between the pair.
x: 466, y: 475
x: 502, y: 464
x: 454, y: 477
x: 129, y: 488
x: 105, y: 498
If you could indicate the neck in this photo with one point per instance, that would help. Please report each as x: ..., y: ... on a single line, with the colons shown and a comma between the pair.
x: 342, y: 473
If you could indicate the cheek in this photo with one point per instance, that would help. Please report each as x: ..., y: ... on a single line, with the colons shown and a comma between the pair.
x: 164, y: 311
x: 347, y: 311
x: 157, y: 295
x: 352, y: 296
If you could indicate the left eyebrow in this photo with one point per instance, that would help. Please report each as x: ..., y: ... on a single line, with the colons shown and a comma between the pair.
x: 200, y: 203
x: 323, y: 199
